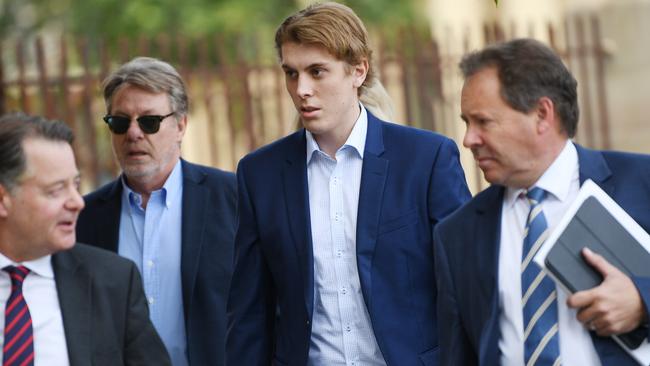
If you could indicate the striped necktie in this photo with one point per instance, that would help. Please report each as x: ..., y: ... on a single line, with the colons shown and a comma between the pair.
x: 541, y: 339
x: 18, y: 348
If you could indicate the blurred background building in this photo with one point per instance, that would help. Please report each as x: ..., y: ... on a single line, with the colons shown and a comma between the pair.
x: 55, y: 53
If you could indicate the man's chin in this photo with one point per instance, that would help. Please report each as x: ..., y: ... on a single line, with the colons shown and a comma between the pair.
x: 138, y: 170
x: 492, y: 177
x: 65, y: 243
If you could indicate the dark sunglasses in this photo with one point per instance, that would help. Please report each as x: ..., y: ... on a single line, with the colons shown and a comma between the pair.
x: 148, y: 124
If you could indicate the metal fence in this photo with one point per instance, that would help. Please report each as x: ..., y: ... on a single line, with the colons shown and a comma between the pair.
x: 237, y: 96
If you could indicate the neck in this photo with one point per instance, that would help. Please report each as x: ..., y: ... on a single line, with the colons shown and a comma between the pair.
x: 9, y: 249
x: 332, y: 141
x: 548, y: 155
x: 145, y: 186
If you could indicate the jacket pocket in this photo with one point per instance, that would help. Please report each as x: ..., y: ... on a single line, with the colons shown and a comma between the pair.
x: 393, y: 224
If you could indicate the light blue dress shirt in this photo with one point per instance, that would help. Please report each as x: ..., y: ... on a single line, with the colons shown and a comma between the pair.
x: 152, y: 239
x: 341, y: 330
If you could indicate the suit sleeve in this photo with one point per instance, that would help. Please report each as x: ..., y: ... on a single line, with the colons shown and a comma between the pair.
x: 142, y: 345
x: 448, y: 188
x: 251, y: 302
x: 643, y: 286
x: 455, y: 348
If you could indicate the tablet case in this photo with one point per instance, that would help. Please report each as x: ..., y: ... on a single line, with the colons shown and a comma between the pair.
x: 594, y: 227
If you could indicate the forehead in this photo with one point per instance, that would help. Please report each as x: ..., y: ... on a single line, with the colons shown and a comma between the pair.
x: 298, y: 55
x: 482, y: 88
x: 485, y: 80
x: 48, y: 161
x: 131, y: 98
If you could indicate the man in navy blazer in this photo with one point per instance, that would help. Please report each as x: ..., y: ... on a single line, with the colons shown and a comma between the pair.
x: 333, y: 253
x: 519, y: 103
x: 174, y: 219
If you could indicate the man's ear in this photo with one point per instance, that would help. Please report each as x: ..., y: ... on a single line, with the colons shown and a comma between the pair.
x: 182, y: 127
x: 545, y: 113
x: 5, y: 201
x: 360, y: 72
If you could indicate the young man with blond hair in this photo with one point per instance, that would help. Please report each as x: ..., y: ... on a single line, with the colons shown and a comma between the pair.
x: 334, y: 251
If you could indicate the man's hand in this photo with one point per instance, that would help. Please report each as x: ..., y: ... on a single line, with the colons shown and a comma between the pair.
x: 614, y: 306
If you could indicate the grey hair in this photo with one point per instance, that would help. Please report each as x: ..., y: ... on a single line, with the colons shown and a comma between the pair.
x: 152, y: 75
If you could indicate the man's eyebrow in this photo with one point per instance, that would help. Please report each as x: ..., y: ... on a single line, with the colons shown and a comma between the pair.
x: 63, y: 181
x: 310, y: 66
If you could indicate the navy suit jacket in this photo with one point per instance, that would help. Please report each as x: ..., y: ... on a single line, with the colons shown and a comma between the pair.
x: 208, y: 231
x: 410, y: 180
x: 467, y: 260
x: 104, y: 311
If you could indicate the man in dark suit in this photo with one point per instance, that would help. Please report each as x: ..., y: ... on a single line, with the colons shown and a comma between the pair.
x: 64, y: 304
x: 519, y: 103
x: 333, y: 253
x: 174, y: 219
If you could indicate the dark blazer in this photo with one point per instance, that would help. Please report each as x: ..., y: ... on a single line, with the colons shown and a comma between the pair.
x: 410, y: 180
x: 467, y: 254
x: 105, y: 314
x: 208, y: 231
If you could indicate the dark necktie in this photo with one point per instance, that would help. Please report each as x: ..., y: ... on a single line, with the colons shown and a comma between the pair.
x: 539, y: 298
x: 18, y: 348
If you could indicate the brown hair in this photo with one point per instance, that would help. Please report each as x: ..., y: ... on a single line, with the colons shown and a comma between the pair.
x: 333, y: 26
x: 16, y: 128
x: 529, y: 70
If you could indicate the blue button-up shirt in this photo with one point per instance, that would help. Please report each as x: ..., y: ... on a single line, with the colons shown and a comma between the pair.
x: 341, y: 332
x: 152, y: 239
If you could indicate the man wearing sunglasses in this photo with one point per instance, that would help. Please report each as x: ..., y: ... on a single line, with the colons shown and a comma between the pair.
x: 175, y: 219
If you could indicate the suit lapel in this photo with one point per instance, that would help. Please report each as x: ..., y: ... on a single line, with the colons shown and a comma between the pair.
x: 74, y: 285
x: 373, y: 180
x: 108, y: 227
x: 195, y: 199
x: 296, y: 196
x: 487, y: 236
x: 593, y: 166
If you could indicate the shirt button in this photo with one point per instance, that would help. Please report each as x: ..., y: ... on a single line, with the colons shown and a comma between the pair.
x: 347, y: 328
x: 150, y: 263
x: 343, y: 291
x: 150, y: 300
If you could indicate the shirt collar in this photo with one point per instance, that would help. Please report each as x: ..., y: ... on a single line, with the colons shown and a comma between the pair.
x: 41, y: 266
x: 356, y: 140
x: 168, y: 191
x: 556, y: 180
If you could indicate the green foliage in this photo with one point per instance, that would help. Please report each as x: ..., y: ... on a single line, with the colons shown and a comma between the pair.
x: 114, y: 19
x: 387, y: 13
x: 190, y: 30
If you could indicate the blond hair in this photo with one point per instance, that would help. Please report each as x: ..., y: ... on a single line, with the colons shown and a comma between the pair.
x: 333, y: 26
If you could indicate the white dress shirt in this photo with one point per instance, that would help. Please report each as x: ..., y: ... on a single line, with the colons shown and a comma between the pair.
x: 39, y: 291
x: 561, y: 181
x: 341, y: 330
